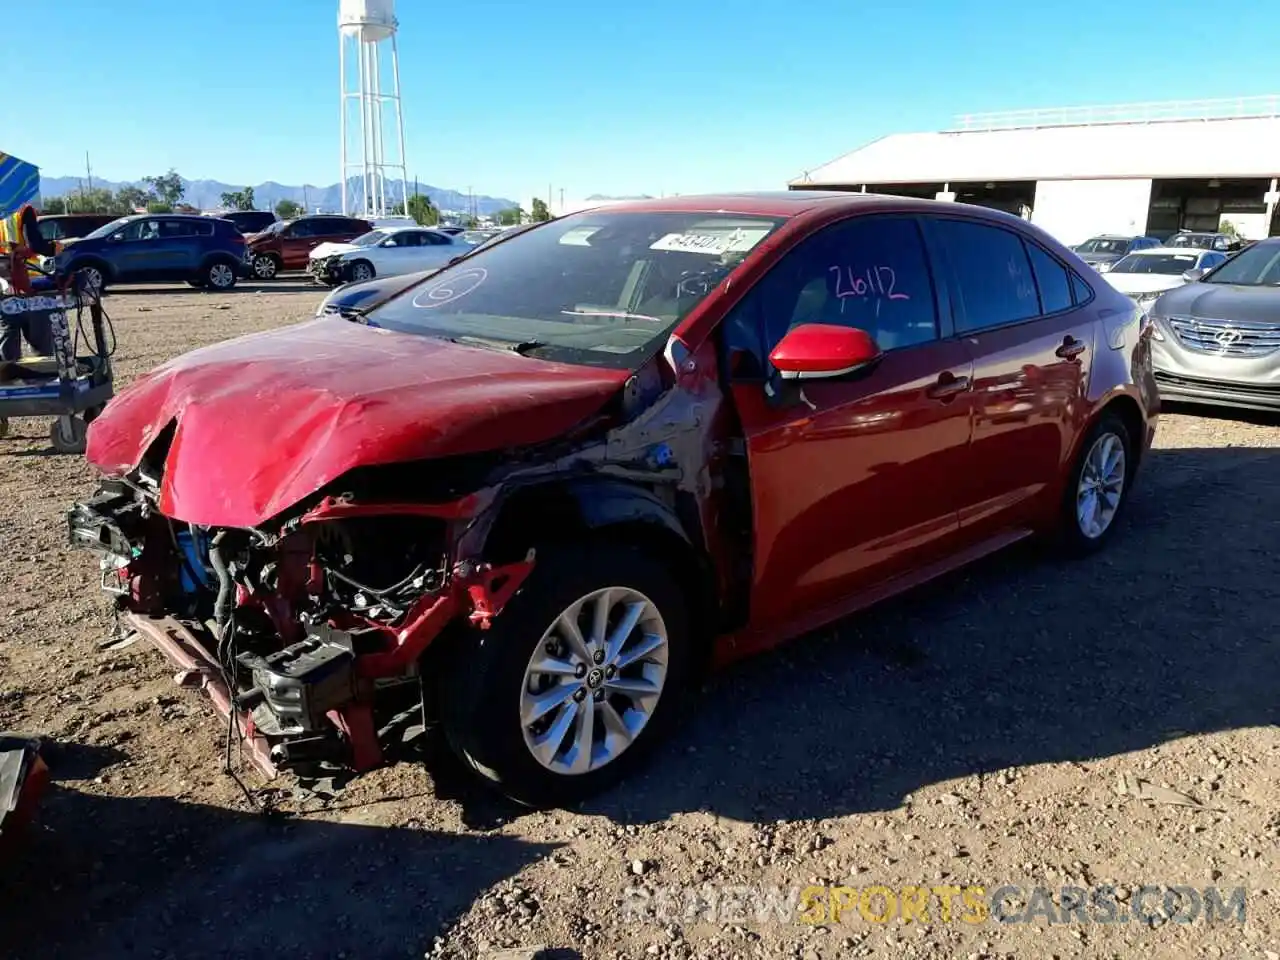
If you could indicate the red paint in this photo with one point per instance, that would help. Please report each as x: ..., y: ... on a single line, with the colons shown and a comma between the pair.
x: 266, y: 420
x: 823, y: 348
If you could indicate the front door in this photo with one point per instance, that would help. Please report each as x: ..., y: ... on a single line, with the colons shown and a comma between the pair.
x: 297, y: 242
x: 1016, y: 312
x: 852, y: 478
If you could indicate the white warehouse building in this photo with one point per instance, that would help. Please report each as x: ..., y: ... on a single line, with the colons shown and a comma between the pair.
x: 1139, y: 169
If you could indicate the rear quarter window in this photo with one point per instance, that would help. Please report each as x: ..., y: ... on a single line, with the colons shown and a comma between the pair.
x: 1052, y: 278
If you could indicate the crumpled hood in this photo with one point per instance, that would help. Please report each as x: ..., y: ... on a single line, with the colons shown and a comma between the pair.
x: 266, y: 420
x: 1223, y: 301
x: 330, y: 249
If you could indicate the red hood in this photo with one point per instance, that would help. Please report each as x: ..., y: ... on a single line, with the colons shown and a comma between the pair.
x: 266, y: 420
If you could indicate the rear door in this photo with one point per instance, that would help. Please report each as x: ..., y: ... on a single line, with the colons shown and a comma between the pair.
x: 179, y: 248
x: 1019, y: 315
x: 852, y: 479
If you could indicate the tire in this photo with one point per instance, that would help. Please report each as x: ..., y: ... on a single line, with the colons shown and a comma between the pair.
x: 68, y: 434
x: 265, y: 266
x: 361, y: 271
x: 219, y: 275
x: 485, y: 686
x: 1078, y: 536
x: 93, y: 275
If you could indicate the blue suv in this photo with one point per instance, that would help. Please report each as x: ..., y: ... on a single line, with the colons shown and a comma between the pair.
x: 204, y: 251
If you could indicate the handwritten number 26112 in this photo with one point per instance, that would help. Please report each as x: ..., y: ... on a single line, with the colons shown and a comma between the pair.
x: 873, y: 282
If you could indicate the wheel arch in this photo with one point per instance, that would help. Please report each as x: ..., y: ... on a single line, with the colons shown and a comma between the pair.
x: 613, y: 510
x: 93, y: 260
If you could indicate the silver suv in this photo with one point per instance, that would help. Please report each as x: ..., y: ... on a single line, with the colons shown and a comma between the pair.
x: 1217, y: 338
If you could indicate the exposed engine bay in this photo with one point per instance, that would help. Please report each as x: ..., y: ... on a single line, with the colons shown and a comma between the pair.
x: 309, y: 637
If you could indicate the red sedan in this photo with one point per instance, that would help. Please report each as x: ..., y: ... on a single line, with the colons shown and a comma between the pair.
x: 533, y: 494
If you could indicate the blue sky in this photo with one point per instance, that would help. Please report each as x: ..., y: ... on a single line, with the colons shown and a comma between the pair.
x: 665, y: 96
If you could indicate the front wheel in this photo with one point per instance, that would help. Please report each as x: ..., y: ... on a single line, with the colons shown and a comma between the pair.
x: 361, y: 271
x: 1098, y: 487
x: 68, y: 434
x: 265, y: 266
x: 577, y: 678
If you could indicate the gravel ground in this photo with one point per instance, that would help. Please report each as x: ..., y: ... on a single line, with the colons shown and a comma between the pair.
x: 976, y: 733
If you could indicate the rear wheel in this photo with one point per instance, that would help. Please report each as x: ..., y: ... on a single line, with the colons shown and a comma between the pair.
x: 219, y: 275
x: 577, y: 678
x: 1098, y: 488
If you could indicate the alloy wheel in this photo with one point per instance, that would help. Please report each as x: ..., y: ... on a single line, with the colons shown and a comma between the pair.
x: 594, y: 680
x: 221, y: 276
x: 264, y: 267
x: 361, y: 272
x: 1101, y: 485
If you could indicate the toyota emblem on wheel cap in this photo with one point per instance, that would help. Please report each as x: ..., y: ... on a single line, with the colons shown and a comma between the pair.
x: 1228, y: 338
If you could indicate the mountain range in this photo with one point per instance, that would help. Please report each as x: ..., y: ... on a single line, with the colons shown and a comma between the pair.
x: 207, y: 194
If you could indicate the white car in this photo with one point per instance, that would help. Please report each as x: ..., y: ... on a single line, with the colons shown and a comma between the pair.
x: 1145, y: 274
x: 384, y: 252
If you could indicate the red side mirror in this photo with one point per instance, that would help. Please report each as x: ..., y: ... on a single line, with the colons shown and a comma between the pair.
x: 813, y: 351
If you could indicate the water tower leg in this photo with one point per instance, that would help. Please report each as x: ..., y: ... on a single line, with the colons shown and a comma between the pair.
x: 399, y: 117
x: 342, y: 114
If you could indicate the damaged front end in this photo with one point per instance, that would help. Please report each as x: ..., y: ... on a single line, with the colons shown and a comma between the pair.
x: 308, y: 634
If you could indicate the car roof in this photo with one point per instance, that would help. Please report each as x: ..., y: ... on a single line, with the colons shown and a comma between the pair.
x: 789, y: 203
x: 1180, y: 251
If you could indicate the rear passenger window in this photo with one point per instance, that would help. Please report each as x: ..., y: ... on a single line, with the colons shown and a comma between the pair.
x: 1052, y: 279
x: 993, y: 274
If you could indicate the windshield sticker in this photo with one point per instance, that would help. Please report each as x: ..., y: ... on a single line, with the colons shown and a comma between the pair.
x: 450, y: 288
x: 579, y: 236
x: 714, y: 245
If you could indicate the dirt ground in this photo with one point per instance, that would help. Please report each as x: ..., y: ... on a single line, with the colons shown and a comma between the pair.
x: 976, y: 733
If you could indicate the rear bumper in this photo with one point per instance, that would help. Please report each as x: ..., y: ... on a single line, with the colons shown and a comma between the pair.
x: 1217, y: 392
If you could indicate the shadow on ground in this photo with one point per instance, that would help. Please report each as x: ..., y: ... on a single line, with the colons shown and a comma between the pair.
x: 231, y: 885
x: 1022, y: 659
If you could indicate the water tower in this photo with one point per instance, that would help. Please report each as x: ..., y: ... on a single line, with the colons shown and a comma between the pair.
x: 372, y: 124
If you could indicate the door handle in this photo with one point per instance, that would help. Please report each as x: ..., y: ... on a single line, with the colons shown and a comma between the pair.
x: 948, y: 386
x: 1071, y: 348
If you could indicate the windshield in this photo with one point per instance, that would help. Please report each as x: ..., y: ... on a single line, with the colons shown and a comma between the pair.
x: 370, y: 238
x: 276, y: 226
x: 1258, y: 266
x: 596, y: 288
x: 1103, y: 245
x: 1200, y: 241
x: 1168, y: 263
x: 106, y: 229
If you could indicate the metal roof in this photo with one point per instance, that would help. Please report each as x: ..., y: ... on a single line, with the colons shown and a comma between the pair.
x: 1162, y: 149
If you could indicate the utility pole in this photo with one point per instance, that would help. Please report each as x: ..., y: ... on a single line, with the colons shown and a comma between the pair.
x: 88, y: 171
